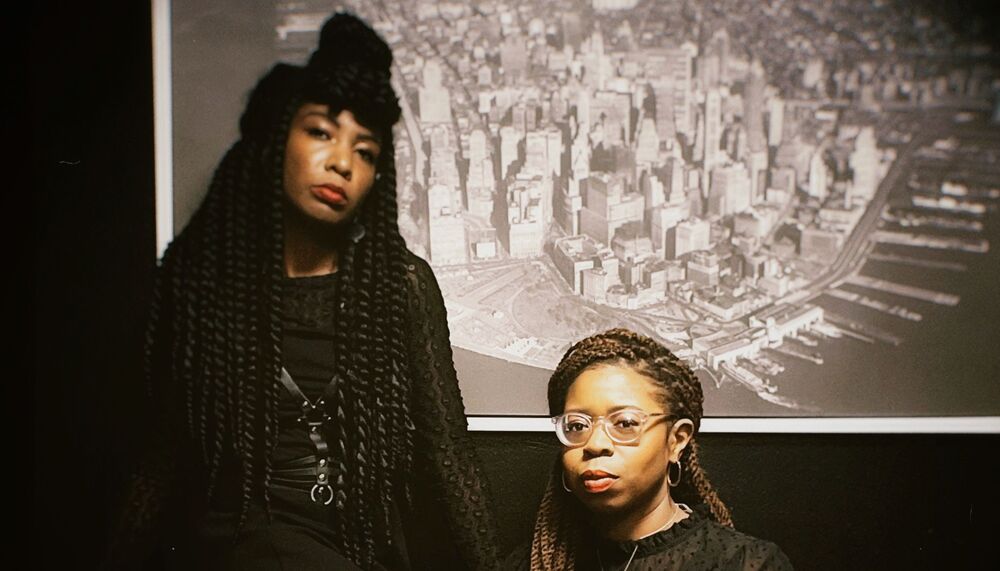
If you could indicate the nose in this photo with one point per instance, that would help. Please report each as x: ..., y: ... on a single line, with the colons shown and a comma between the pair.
x: 599, y: 443
x: 339, y: 158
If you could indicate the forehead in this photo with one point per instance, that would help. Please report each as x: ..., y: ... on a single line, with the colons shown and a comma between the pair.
x: 344, y: 119
x: 605, y: 388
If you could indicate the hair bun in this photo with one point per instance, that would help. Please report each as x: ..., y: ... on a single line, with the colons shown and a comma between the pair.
x: 346, y: 39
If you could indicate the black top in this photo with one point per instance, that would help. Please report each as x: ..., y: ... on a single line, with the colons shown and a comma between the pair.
x: 449, y: 522
x: 696, y: 543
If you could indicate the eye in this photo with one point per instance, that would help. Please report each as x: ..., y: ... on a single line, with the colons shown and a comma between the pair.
x: 576, y: 424
x: 318, y: 133
x: 367, y: 155
x: 627, y: 421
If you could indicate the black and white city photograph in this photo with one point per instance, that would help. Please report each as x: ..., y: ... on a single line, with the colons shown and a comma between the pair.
x: 798, y: 198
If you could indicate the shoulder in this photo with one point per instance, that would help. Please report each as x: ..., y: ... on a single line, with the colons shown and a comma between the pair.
x: 419, y: 274
x: 745, y: 551
x: 416, y: 267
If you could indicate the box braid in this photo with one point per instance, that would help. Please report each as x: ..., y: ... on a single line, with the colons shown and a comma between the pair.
x: 557, y: 532
x: 213, y: 348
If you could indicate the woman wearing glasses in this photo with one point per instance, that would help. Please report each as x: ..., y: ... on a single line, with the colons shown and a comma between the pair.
x: 628, y: 492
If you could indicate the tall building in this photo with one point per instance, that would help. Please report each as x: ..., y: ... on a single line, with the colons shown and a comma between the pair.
x: 670, y: 70
x: 647, y: 148
x: 543, y: 152
x: 510, y: 142
x: 554, y: 141
x: 776, y: 121
x: 525, y: 231
x: 797, y: 155
x: 664, y: 220
x: 864, y: 164
x: 571, y: 256
x: 688, y: 236
x: 818, y: 177
x: 434, y: 98
x: 703, y: 268
x: 608, y: 206
x: 758, y: 174
x: 753, y: 108
x: 444, y: 154
x: 713, y: 131
x: 612, y: 111
x: 446, y: 229
x: 730, y: 190
x: 672, y: 175
x: 663, y: 95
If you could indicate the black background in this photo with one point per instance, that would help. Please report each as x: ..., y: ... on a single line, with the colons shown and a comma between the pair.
x: 830, y: 501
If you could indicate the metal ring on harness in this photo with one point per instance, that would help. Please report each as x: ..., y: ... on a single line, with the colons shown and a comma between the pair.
x: 317, y: 494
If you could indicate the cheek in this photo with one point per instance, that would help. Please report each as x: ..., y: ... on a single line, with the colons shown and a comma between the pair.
x: 647, y: 463
x: 567, y: 460
x: 297, y: 161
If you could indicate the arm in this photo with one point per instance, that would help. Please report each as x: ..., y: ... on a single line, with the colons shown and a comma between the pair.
x: 450, y: 479
x: 765, y: 556
x: 141, y: 512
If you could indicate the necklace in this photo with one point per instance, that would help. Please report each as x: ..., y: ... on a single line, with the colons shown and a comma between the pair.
x: 678, y: 509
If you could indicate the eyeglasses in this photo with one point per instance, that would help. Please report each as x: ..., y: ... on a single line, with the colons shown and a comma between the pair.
x: 622, y: 426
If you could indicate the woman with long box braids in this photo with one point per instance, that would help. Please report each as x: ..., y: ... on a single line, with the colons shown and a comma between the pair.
x: 628, y: 491
x: 304, y: 409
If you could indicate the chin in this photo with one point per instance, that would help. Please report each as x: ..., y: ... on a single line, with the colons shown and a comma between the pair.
x: 604, y: 503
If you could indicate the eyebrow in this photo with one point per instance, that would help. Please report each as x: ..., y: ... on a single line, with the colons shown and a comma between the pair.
x: 609, y: 411
x: 361, y: 137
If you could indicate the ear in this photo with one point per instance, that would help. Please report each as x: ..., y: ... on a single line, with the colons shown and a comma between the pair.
x: 680, y: 436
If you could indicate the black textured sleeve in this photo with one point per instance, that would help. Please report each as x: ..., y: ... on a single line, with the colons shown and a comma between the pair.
x: 140, y: 515
x: 451, y: 499
x: 766, y: 556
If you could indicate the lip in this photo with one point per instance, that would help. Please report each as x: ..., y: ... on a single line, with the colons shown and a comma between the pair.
x: 597, y: 481
x: 330, y: 194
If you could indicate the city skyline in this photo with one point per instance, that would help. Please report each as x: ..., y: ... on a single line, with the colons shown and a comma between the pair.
x: 668, y: 167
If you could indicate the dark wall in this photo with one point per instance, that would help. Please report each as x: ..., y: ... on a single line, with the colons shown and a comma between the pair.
x: 89, y: 122
x: 831, y: 502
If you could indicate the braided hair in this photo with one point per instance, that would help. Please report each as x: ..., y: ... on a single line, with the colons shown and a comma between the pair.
x: 214, y: 336
x: 557, y: 534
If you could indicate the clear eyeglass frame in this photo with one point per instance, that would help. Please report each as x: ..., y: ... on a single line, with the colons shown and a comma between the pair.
x: 618, y: 435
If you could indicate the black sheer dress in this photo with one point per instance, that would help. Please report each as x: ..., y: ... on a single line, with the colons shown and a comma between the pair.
x: 696, y: 543
x: 447, y: 522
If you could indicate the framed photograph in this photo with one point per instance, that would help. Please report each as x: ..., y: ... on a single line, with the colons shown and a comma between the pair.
x: 799, y: 200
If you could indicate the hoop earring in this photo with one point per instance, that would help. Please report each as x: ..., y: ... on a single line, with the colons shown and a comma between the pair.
x: 356, y: 232
x: 671, y: 481
x: 562, y: 478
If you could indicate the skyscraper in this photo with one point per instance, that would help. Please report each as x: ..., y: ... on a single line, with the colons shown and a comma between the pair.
x: 688, y: 236
x: 446, y: 229
x: 776, y: 121
x: 510, y: 140
x: 713, y: 131
x: 608, y: 206
x: 670, y: 72
x: 864, y: 164
x: 818, y: 178
x: 753, y: 107
x: 435, y: 100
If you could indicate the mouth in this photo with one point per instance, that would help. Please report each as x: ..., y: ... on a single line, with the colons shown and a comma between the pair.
x: 597, y: 481
x: 330, y: 194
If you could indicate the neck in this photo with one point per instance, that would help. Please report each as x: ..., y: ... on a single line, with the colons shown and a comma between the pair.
x: 308, y: 249
x: 659, y: 516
